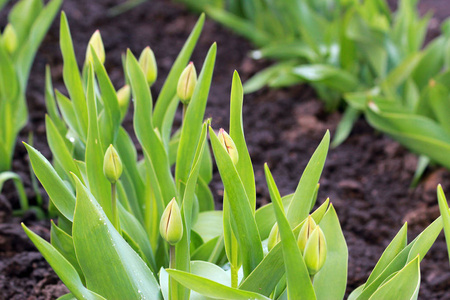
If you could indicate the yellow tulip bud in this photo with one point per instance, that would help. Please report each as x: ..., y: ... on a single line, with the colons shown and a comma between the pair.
x: 274, y: 237
x: 229, y: 145
x: 147, y: 62
x: 315, y: 251
x: 112, y: 165
x: 97, y: 44
x: 305, y: 233
x: 124, y: 96
x: 171, y: 225
x: 186, y: 83
x: 10, y: 38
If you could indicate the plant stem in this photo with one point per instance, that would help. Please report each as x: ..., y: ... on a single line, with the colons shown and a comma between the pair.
x: 172, y: 265
x: 184, y: 110
x: 115, y: 219
x: 234, y: 276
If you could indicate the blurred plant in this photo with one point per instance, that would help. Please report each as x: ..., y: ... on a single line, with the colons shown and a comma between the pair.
x: 28, y: 22
x: 167, y: 220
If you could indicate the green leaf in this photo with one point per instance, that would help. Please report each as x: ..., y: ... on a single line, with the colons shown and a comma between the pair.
x: 299, y: 285
x: 336, y: 262
x: 345, y: 126
x: 191, y: 130
x: 443, y: 208
x: 211, y: 288
x: 61, y: 196
x: 145, y: 130
x: 329, y: 76
x: 209, y: 224
x: 417, y: 133
x: 65, y: 271
x: 397, y: 244
x: 110, y: 101
x: 247, y: 231
x: 4, y: 176
x: 72, y: 79
x: 98, y: 183
x: 59, y: 148
x: 403, y: 285
x: 244, y: 165
x: 168, y: 91
x: 64, y: 244
x: 303, y: 196
x: 110, y: 265
x: 34, y: 38
x: 67, y: 111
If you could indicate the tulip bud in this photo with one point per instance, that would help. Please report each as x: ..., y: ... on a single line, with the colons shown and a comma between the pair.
x: 315, y: 251
x: 124, y: 96
x: 274, y: 237
x: 97, y: 44
x: 229, y: 145
x: 147, y: 62
x: 186, y: 83
x: 171, y: 225
x: 305, y: 233
x: 10, y: 38
x: 112, y: 165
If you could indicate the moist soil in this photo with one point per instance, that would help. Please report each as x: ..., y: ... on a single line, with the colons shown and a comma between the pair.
x: 367, y: 178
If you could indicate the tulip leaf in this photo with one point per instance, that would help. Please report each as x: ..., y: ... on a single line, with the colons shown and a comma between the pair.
x: 191, y: 130
x: 244, y: 165
x: 61, y: 196
x: 72, y: 78
x: 247, y: 231
x: 445, y: 213
x: 62, y: 267
x: 403, y: 285
x: 298, y: 282
x: 303, y: 196
x: 111, y: 267
x: 211, y: 288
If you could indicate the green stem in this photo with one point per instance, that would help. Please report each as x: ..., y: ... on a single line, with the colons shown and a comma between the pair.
x: 184, y: 111
x: 115, y: 217
x: 172, y: 283
x: 234, y: 276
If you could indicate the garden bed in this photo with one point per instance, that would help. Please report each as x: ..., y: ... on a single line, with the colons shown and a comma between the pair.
x: 367, y: 178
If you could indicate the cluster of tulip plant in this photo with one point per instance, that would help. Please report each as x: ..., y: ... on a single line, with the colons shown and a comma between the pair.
x: 28, y: 22
x: 128, y: 228
x: 359, y: 51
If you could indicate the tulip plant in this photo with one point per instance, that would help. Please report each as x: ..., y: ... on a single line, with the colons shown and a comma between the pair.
x: 28, y: 22
x: 128, y: 228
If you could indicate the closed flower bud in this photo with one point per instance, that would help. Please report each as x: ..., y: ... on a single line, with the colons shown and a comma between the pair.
x: 305, y: 233
x: 171, y: 225
x: 229, y: 145
x: 10, y: 38
x: 112, y: 165
x: 147, y: 62
x: 274, y: 237
x: 97, y: 44
x: 315, y: 251
x: 186, y: 83
x: 124, y: 96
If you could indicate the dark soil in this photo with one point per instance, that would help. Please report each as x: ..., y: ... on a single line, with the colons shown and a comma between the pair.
x: 367, y: 178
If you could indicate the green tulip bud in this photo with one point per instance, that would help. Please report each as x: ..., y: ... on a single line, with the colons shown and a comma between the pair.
x: 229, y: 145
x: 10, y: 38
x: 274, y: 237
x: 305, y: 233
x: 147, y: 62
x: 171, y: 225
x: 186, y: 83
x: 112, y: 165
x: 315, y: 251
x: 124, y: 96
x: 97, y: 44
